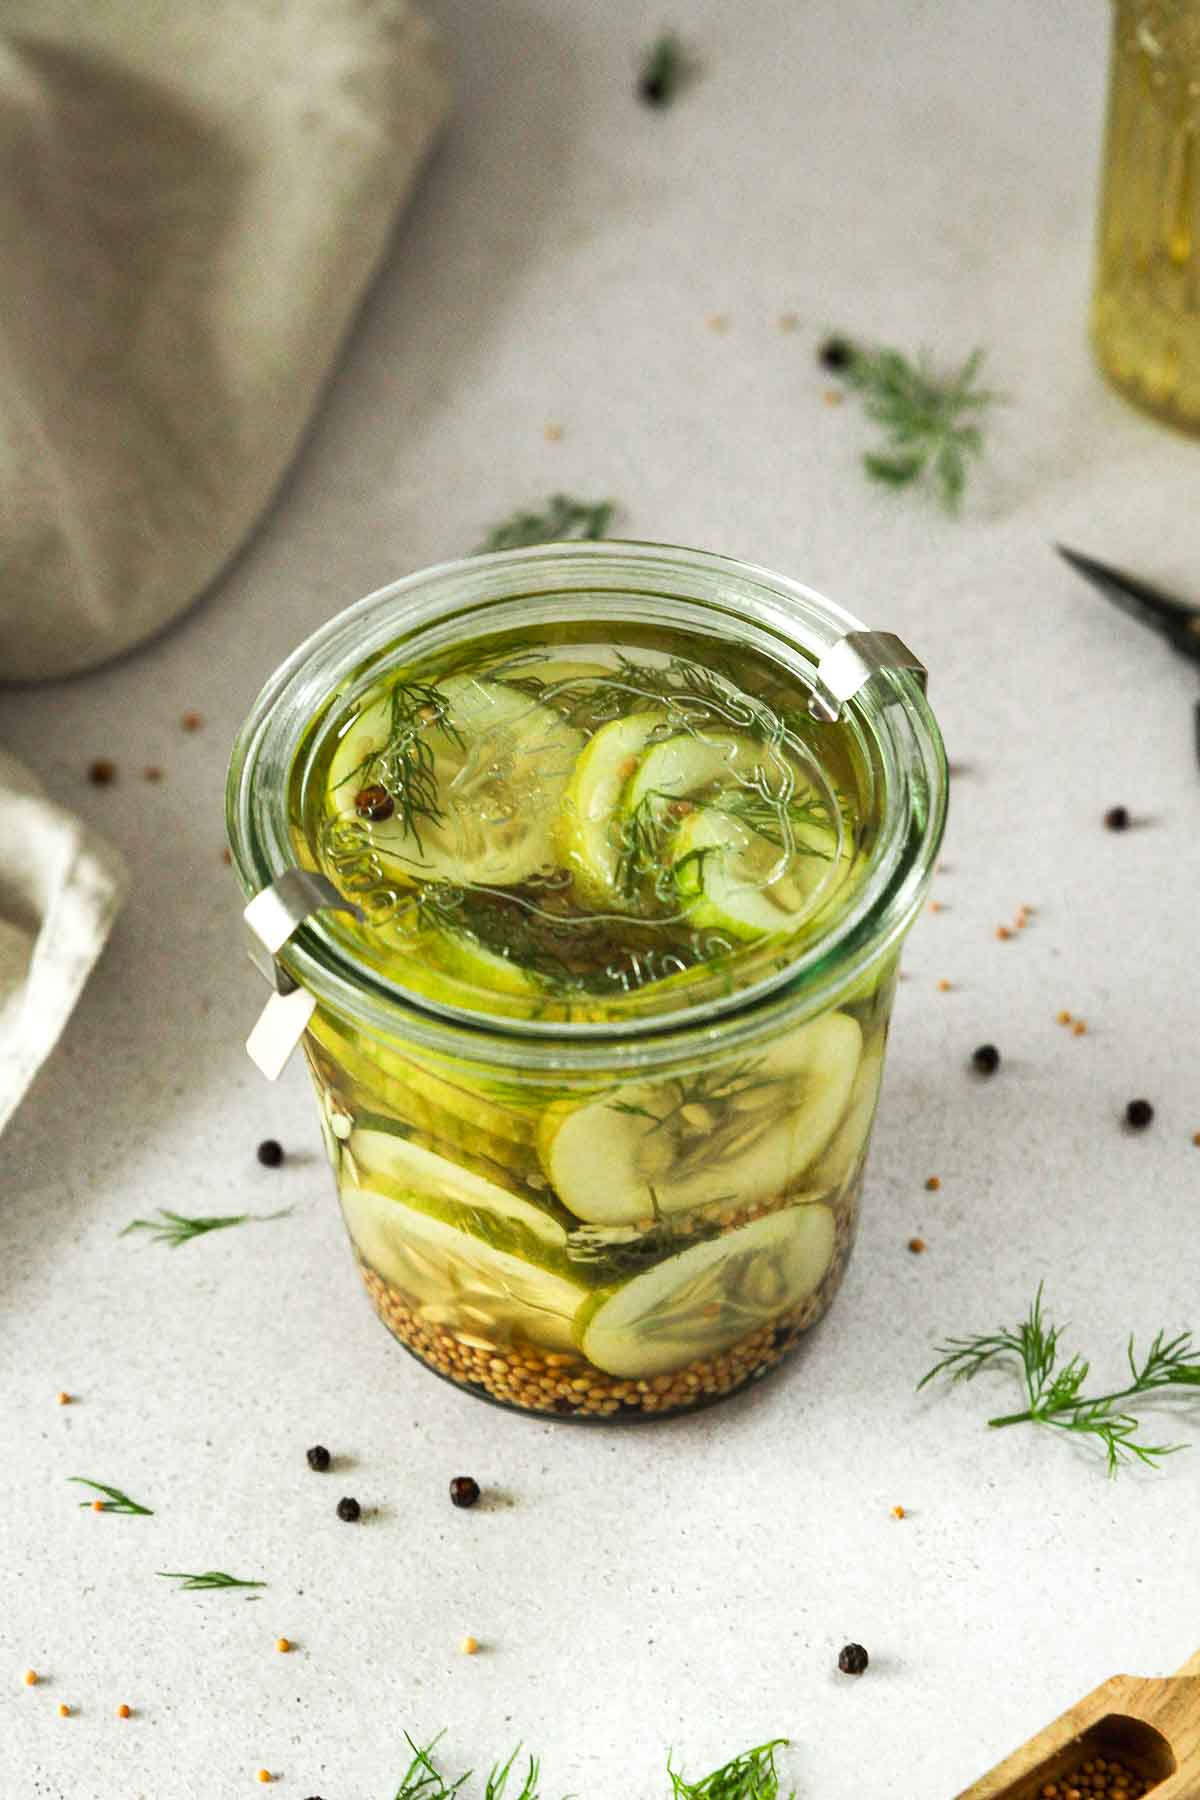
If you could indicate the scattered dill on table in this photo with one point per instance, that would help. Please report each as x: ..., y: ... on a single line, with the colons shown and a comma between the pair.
x: 1055, y: 1394
x: 932, y: 424
x: 664, y: 69
x: 116, y: 1502
x: 750, y: 1776
x: 210, y: 1578
x: 179, y: 1228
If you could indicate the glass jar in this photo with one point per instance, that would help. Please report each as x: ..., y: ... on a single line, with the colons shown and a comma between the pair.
x: 1145, y: 322
x: 624, y: 1216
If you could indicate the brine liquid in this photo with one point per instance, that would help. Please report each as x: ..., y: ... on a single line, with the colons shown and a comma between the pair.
x: 573, y: 830
x: 552, y: 829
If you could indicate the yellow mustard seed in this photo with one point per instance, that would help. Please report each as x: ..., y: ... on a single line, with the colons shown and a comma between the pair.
x: 283, y: 1645
x: 917, y: 1246
x: 944, y: 986
x: 31, y: 1678
x: 122, y: 1711
x: 933, y: 1183
x: 898, y: 1512
x: 1063, y: 1018
x: 469, y: 1646
x: 1078, y: 1029
x: 63, y: 1399
x: 1003, y: 933
x: 264, y: 1775
x: 64, y: 1711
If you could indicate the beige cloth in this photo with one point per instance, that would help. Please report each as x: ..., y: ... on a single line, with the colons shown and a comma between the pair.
x: 193, y: 198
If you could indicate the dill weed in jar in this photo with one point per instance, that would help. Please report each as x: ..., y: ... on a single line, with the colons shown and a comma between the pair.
x: 599, y: 1056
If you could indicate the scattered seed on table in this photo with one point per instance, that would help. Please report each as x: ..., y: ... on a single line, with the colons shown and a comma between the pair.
x: 835, y: 353
x: 1062, y: 1018
x: 833, y: 397
x: 1196, y: 1138
x: 917, y: 1246
x: 464, y: 1490
x: 31, y: 1678
x: 986, y: 1059
x: 283, y: 1645
x: 349, y: 1509
x: 1078, y: 1029
x: 227, y: 856
x: 64, y: 1711
x: 102, y: 773
x: 123, y: 1711
x: 933, y: 1183
x: 853, y: 1659
x: 898, y: 1512
x: 264, y: 1775
x: 469, y: 1646
x: 788, y: 321
x: 717, y: 322
x: 63, y: 1399
x: 97, y: 1506
x: 191, y: 721
x: 944, y: 986
x: 1117, y: 818
x: 1138, y: 1114
x: 937, y: 906
x: 270, y: 1153
x: 152, y: 772
x: 1003, y: 933
x: 318, y: 1458
x: 553, y: 434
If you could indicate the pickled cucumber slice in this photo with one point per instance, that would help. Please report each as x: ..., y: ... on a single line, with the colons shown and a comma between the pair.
x: 696, y: 1304
x: 740, y: 1134
x: 386, y: 1157
x: 498, y: 763
x: 688, y: 763
x: 585, y: 838
x: 734, y: 879
x: 456, y: 1279
x: 848, y: 1143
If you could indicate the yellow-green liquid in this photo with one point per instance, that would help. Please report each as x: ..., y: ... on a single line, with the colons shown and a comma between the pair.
x: 1145, y: 320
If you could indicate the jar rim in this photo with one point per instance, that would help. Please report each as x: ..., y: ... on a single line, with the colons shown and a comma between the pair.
x: 449, y: 600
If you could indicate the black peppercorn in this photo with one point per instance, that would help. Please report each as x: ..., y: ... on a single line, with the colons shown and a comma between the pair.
x: 1117, y: 818
x: 1139, y: 1114
x: 986, y: 1059
x: 270, y: 1153
x: 318, y: 1458
x: 653, y: 90
x: 564, y: 1406
x: 835, y: 354
x: 374, y: 803
x: 349, y: 1510
x: 464, y: 1490
x: 853, y: 1659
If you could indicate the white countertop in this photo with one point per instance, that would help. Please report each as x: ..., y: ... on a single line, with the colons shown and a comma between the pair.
x: 914, y: 174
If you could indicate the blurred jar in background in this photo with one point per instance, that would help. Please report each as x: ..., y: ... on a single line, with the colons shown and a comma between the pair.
x: 1146, y: 307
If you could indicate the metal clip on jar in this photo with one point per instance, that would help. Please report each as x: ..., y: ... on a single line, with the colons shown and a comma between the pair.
x: 626, y: 1192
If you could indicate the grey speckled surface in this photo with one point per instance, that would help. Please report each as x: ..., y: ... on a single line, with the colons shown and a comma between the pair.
x: 915, y: 172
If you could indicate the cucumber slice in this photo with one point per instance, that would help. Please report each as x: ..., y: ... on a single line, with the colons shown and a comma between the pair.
x: 586, y: 841
x: 732, y: 878
x: 498, y: 764
x: 388, y: 1160
x: 848, y: 1143
x: 456, y: 1279
x: 688, y: 763
x: 696, y: 1304
x: 745, y: 1133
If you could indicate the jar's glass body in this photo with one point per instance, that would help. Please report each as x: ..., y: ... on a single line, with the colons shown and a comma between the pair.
x: 627, y: 1218
x: 1145, y: 321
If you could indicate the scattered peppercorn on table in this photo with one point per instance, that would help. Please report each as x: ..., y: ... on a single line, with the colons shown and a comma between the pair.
x: 610, y: 300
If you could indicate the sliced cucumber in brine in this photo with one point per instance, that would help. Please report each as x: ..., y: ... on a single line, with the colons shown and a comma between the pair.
x: 391, y: 1160
x: 490, y: 772
x: 586, y: 837
x: 732, y: 878
x: 698, y: 1303
x: 740, y: 1133
x: 849, y: 1142
x: 455, y: 1279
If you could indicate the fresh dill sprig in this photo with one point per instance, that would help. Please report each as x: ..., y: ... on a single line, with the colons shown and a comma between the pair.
x: 777, y: 818
x: 210, y: 1578
x: 180, y: 1228
x: 117, y: 1502
x: 663, y: 69
x: 750, y: 1776
x: 931, y: 423
x: 563, y: 518
x: 405, y: 765
x: 1054, y: 1393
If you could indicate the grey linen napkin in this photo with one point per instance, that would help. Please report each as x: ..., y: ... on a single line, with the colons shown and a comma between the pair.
x: 193, y: 199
